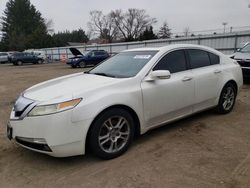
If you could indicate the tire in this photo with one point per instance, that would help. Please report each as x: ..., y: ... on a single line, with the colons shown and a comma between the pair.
x: 111, y: 133
x: 40, y: 62
x: 227, y: 99
x: 19, y: 63
x: 82, y: 64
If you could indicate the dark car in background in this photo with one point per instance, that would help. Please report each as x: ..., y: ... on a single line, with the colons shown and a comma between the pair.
x: 242, y: 56
x: 92, y: 57
x: 20, y: 58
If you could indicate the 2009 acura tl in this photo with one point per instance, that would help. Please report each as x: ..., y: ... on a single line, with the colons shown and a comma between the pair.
x: 127, y: 94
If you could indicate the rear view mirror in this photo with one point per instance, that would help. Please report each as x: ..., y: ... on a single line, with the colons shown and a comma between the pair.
x: 158, y: 75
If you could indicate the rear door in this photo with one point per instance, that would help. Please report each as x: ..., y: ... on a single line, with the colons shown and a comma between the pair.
x: 168, y: 99
x: 207, y: 73
x: 99, y: 56
x: 91, y: 58
x: 31, y: 58
x: 25, y: 58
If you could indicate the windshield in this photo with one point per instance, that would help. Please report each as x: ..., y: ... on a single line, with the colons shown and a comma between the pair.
x: 124, y: 65
x: 246, y: 48
x: 85, y: 53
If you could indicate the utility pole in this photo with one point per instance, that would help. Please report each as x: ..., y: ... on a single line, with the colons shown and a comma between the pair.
x: 231, y: 29
x: 224, y: 25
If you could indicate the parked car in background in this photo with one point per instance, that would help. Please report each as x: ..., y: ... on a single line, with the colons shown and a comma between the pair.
x: 92, y: 57
x: 130, y: 93
x: 3, y: 57
x: 10, y: 53
x: 39, y: 53
x: 20, y: 58
x: 242, y: 56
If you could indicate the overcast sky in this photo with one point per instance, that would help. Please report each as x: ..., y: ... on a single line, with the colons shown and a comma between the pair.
x: 196, y: 14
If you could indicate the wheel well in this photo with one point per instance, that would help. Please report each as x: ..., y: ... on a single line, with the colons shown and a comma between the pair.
x: 124, y: 107
x: 234, y: 84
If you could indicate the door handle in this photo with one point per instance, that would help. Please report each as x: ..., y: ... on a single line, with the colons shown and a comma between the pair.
x: 217, y: 71
x: 185, y: 79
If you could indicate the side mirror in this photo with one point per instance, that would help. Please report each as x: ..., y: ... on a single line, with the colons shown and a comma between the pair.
x: 238, y: 50
x: 158, y: 75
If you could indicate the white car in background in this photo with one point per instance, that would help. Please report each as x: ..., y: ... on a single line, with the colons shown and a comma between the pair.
x: 128, y: 94
x: 4, y: 57
x: 242, y: 56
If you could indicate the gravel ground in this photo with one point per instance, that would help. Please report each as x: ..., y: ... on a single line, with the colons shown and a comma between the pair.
x: 205, y: 150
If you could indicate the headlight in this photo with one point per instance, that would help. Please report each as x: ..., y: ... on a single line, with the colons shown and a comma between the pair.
x: 76, y: 59
x: 54, y: 108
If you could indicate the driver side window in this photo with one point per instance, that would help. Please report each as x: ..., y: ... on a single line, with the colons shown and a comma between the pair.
x: 174, y: 62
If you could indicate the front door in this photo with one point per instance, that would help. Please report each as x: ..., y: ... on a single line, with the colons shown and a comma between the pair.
x: 168, y: 99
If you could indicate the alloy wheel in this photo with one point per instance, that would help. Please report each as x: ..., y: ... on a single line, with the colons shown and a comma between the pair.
x: 114, y: 134
x: 228, y: 98
x: 82, y: 64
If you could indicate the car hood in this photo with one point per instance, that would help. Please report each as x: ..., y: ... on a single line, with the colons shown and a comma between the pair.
x: 75, y: 52
x: 242, y: 56
x: 65, y: 87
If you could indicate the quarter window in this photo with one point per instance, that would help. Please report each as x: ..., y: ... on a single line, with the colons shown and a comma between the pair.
x: 174, y: 62
x: 198, y: 58
x: 214, y: 59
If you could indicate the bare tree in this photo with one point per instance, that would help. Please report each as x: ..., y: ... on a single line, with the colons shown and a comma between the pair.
x: 186, y: 31
x: 132, y: 23
x: 103, y: 25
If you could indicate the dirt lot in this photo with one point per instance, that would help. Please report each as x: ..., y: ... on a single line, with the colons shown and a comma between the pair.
x: 207, y: 150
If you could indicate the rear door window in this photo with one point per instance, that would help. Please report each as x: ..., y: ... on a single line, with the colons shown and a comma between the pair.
x: 198, y: 58
x: 174, y: 62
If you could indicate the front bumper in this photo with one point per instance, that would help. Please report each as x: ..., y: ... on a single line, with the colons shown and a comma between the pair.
x: 246, y: 72
x: 68, y: 62
x: 60, y: 136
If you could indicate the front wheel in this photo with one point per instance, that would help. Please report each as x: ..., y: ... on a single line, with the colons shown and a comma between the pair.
x: 227, y: 99
x: 19, y: 63
x: 111, y: 133
x: 40, y: 62
x: 82, y: 64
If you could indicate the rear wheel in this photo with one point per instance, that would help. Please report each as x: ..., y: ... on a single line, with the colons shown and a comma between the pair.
x: 111, y: 133
x: 40, y: 61
x: 227, y: 99
x: 82, y: 64
x: 19, y: 63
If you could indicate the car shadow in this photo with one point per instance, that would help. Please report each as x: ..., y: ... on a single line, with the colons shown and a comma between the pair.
x: 185, y: 123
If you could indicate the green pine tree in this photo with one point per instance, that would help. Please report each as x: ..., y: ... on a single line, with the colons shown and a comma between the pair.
x: 164, y: 32
x: 23, y: 26
x: 148, y: 34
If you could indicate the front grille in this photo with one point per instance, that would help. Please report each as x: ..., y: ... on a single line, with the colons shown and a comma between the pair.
x: 244, y: 63
x: 32, y: 145
x: 246, y: 73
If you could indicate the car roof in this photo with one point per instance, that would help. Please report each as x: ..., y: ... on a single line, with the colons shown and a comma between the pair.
x: 171, y: 47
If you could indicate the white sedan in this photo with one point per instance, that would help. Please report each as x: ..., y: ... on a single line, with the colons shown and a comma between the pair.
x: 128, y: 94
